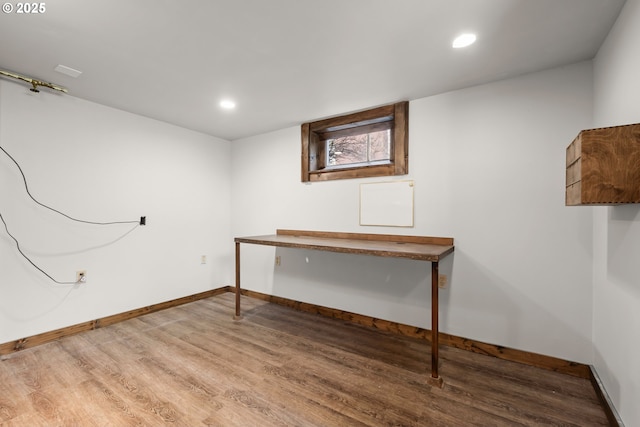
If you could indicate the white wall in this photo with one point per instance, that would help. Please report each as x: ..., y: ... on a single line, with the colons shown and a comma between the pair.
x: 101, y: 164
x: 617, y: 229
x: 488, y: 164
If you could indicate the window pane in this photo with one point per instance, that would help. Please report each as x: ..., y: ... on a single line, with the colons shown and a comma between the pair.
x: 379, y: 145
x: 364, y: 148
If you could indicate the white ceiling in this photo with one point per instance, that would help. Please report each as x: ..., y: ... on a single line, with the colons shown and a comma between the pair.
x: 289, y: 61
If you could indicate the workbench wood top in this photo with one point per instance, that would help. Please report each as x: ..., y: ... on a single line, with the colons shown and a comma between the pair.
x: 425, y: 248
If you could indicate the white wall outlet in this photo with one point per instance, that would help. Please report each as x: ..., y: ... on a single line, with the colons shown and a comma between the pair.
x: 203, y: 259
x: 442, y: 280
x: 81, y: 276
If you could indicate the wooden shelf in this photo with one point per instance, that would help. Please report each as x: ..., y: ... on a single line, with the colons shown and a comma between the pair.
x: 603, y: 166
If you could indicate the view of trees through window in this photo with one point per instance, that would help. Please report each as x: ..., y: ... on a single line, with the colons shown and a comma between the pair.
x: 358, y: 149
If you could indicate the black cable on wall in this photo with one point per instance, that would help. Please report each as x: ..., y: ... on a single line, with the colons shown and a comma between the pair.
x: 142, y: 221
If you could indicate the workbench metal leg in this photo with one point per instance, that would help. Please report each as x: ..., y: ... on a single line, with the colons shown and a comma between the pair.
x: 434, y: 320
x: 237, y: 316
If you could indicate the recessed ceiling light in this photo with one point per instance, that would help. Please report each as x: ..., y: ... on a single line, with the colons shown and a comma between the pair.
x: 464, y: 40
x: 68, y: 71
x: 227, y: 104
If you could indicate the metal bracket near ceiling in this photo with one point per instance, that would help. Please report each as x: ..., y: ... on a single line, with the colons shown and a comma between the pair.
x: 34, y: 82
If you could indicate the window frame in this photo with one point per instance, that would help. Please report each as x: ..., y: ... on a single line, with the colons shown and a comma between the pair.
x: 315, y: 134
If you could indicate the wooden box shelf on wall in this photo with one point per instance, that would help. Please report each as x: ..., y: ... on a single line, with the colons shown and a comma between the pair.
x: 603, y: 166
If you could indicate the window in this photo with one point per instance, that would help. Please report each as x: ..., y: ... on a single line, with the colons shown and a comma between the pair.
x: 365, y: 144
x: 359, y: 150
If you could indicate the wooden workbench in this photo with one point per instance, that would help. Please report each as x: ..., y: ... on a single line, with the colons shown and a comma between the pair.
x: 422, y: 248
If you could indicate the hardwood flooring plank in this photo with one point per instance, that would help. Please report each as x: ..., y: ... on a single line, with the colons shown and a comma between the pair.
x: 194, y: 365
x: 356, y: 366
x: 133, y: 386
x: 517, y: 393
x: 109, y: 408
x: 255, y: 351
x: 7, y: 408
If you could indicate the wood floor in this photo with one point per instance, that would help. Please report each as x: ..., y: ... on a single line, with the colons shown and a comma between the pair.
x: 194, y: 366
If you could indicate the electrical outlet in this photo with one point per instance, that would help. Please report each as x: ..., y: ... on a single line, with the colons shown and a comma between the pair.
x: 81, y: 276
x: 278, y: 260
x: 442, y: 280
x: 203, y: 259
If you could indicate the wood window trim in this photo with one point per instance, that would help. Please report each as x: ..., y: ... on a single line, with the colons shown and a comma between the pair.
x: 313, y: 146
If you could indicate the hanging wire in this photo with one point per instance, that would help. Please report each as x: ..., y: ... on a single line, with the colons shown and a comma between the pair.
x: 26, y: 186
x: 27, y: 258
